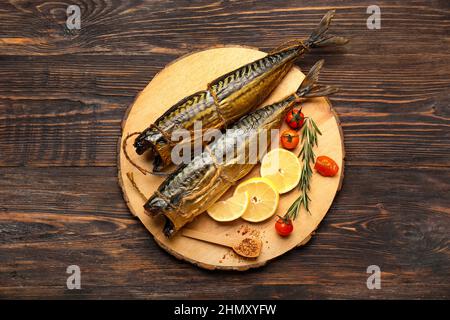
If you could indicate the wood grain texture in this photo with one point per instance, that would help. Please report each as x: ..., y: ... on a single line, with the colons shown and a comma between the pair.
x: 63, y: 94
x: 93, y: 228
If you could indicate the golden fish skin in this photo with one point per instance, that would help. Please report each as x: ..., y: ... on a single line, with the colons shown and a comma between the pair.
x: 227, y: 98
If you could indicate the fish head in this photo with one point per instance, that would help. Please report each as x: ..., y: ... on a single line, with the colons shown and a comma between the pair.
x: 148, y: 139
x: 156, y: 205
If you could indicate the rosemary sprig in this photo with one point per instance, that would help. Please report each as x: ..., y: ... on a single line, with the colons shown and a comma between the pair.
x: 309, y: 140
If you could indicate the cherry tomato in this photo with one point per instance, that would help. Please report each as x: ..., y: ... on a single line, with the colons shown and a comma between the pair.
x: 284, y: 226
x: 326, y: 166
x: 289, y: 139
x: 295, y: 118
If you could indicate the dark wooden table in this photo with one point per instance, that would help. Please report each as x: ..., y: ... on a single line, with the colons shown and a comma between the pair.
x: 63, y: 94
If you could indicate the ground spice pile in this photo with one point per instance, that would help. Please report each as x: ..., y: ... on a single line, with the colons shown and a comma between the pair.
x: 249, y: 247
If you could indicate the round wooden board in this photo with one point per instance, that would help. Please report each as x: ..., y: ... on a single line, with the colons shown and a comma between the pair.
x: 189, y: 74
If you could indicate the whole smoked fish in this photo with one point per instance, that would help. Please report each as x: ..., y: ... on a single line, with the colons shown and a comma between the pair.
x: 229, y: 97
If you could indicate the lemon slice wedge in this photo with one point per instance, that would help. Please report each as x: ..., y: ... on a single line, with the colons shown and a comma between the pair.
x: 263, y: 199
x: 282, y: 168
x: 230, y: 209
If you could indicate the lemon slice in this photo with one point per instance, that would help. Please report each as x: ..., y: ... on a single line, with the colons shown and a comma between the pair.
x: 263, y: 198
x: 282, y: 168
x: 230, y: 209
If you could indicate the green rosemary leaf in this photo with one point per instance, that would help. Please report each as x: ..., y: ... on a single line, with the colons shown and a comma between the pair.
x: 309, y: 140
x: 316, y: 127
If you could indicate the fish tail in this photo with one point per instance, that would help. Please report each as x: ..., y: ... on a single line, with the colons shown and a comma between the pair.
x: 309, y: 86
x: 320, y: 38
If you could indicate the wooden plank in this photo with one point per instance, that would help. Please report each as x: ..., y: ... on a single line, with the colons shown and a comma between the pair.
x: 59, y: 132
x: 69, y: 133
x: 388, y: 117
x: 49, y: 220
x: 36, y: 28
x: 366, y: 76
